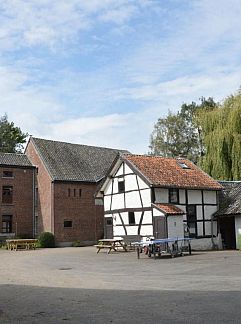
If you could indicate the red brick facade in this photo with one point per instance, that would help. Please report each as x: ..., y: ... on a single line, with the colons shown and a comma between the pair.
x: 65, y: 203
x: 19, y: 208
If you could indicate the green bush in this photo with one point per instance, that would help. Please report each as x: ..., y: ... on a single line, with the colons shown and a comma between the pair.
x: 46, y: 240
x: 77, y: 244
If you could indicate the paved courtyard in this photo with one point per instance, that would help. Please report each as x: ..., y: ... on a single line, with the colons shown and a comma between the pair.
x: 76, y: 285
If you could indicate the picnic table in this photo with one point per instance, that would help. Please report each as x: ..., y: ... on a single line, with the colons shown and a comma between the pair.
x: 27, y: 244
x: 111, y: 244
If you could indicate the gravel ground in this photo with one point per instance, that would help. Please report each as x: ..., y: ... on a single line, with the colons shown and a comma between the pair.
x: 76, y: 285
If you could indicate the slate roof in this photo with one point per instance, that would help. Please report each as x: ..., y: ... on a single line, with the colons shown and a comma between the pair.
x: 75, y: 162
x: 169, y: 209
x: 168, y: 172
x: 230, y: 199
x: 14, y: 159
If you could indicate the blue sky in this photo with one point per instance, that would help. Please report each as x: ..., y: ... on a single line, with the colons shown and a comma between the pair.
x: 102, y: 72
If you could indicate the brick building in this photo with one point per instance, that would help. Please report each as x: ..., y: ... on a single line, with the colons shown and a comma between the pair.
x: 17, y: 195
x: 66, y: 181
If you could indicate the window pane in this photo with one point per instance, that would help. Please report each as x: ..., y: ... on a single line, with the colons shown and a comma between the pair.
x: 7, y: 194
x: 121, y: 186
x: 131, y: 216
x: 7, y: 174
x: 67, y: 223
x: 173, y: 195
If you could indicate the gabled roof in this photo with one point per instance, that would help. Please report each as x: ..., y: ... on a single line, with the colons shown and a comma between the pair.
x: 169, y: 172
x: 75, y: 162
x: 230, y: 199
x: 169, y: 209
x: 14, y: 160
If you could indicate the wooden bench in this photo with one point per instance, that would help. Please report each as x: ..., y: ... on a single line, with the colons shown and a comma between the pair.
x: 104, y: 246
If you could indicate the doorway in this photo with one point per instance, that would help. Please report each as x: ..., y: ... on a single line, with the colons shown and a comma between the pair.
x: 159, y: 230
x: 227, y: 230
x: 108, y: 227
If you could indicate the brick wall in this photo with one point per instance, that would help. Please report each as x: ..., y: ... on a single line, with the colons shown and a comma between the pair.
x: 44, y: 185
x: 21, y: 207
x: 80, y: 209
x: 55, y: 206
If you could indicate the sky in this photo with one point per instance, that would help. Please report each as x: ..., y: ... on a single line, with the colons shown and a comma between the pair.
x: 101, y: 72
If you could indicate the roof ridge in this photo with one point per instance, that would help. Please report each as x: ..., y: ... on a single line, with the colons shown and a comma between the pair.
x: 78, y: 144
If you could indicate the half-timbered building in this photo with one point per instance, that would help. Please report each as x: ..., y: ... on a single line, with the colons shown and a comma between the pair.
x: 161, y: 197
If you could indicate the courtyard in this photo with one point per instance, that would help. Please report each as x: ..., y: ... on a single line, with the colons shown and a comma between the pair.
x: 76, y: 285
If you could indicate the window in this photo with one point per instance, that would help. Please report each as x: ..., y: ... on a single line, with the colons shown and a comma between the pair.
x: 173, y: 196
x: 192, y: 220
x: 7, y: 195
x: 7, y: 224
x: 131, y: 216
x: 109, y: 221
x: 121, y: 186
x: 74, y: 192
x: 183, y: 165
x: 80, y: 192
x: 7, y: 174
x: 69, y: 192
x: 67, y: 223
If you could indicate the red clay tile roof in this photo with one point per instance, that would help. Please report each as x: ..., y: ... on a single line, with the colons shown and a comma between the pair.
x: 167, y: 172
x: 169, y: 209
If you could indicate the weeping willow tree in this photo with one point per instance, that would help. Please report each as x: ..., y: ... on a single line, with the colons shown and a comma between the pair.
x: 221, y: 132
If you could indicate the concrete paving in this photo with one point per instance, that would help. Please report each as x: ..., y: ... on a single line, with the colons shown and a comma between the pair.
x: 76, y: 285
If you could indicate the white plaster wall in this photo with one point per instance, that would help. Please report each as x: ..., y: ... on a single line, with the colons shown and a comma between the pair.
x: 175, y: 226
x: 182, y: 196
x: 199, y: 212
x: 133, y: 199
x: 209, y: 210
x: 161, y: 195
x: 204, y: 243
x: 209, y: 197
x: 146, y: 197
x: 118, y: 231
x: 127, y: 169
x: 120, y: 171
x: 208, y: 228
x: 132, y: 230
x: 131, y: 182
x: 115, y: 184
x: 146, y: 230
x: 108, y: 188
x: 200, y: 228
x: 157, y: 212
x: 142, y: 184
x: 147, y: 218
x: 237, y: 227
x: 107, y: 202
x: 118, y: 201
x: 194, y: 197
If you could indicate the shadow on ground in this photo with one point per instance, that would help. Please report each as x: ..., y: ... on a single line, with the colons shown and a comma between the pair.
x: 31, y: 304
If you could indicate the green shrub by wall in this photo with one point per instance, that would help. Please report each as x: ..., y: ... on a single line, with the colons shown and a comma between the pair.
x: 46, y: 240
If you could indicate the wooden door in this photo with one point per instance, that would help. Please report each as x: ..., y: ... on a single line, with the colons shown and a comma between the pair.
x: 159, y: 229
x: 108, y: 227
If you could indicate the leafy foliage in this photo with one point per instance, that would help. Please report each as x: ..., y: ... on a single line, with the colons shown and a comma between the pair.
x: 46, y: 240
x: 221, y: 129
x: 180, y: 134
x: 11, y: 137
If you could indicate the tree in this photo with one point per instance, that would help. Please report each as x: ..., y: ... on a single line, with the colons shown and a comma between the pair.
x: 11, y: 137
x: 180, y: 134
x: 221, y: 129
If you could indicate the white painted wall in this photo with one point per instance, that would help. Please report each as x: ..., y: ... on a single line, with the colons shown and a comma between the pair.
x: 237, y: 227
x: 209, y: 210
x: 199, y: 212
x: 182, y: 196
x: 161, y: 195
x: 209, y: 197
x: 146, y: 197
x: 120, y: 171
x: 133, y: 199
x: 117, y: 201
x: 175, y: 226
x: 194, y: 197
x: 107, y: 202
